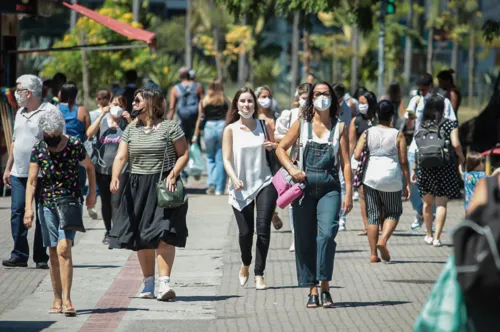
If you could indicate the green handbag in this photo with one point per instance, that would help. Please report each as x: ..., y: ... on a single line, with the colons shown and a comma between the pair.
x: 167, y: 199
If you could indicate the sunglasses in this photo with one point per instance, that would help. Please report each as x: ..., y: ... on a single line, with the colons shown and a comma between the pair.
x: 137, y: 101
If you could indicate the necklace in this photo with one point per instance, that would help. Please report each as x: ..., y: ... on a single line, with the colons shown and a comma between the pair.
x: 150, y: 129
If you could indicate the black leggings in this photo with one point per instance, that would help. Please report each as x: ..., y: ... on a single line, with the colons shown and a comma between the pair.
x: 265, y: 203
x: 109, y: 201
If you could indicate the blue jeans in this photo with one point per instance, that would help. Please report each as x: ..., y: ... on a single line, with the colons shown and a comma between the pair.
x: 415, y: 199
x: 21, y: 249
x: 213, y: 145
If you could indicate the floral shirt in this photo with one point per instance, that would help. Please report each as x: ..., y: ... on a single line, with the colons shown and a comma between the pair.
x: 60, y: 170
x: 470, y: 181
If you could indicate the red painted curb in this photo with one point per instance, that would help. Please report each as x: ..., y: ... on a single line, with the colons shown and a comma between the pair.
x: 109, y: 311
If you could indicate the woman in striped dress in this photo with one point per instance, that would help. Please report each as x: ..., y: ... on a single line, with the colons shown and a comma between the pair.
x: 382, y: 182
x: 150, y: 144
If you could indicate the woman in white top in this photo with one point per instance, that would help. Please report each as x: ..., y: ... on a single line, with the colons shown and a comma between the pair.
x: 244, y: 146
x: 382, y: 184
x: 286, y: 119
x: 324, y: 145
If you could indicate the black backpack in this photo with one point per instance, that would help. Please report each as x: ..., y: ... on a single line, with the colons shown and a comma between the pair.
x: 477, y: 249
x: 433, y: 147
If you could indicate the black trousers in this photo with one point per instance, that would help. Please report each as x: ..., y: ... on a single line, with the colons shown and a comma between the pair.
x: 264, y: 203
x: 109, y: 201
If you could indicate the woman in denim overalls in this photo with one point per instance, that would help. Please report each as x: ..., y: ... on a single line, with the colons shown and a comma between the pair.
x: 324, y: 145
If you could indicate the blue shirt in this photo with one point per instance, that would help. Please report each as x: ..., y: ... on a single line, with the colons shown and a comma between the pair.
x: 470, y: 181
x: 74, y: 127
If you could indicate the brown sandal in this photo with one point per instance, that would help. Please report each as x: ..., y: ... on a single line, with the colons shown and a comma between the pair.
x: 277, y: 223
x: 69, y: 312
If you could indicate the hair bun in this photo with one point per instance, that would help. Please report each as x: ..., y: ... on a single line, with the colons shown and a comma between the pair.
x: 451, y: 71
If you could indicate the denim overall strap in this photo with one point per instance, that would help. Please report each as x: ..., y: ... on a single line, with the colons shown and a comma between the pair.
x: 332, y: 131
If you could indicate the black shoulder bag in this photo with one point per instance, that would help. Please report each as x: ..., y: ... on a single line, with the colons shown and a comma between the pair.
x: 271, y: 157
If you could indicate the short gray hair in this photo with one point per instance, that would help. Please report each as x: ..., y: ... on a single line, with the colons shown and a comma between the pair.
x: 52, y: 122
x: 31, y: 83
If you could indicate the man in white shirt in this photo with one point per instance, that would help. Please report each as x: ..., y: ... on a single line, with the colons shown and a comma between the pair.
x: 414, y: 113
x: 26, y: 134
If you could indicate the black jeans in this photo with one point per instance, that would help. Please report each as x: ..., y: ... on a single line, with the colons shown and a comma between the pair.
x: 265, y: 203
x: 109, y: 201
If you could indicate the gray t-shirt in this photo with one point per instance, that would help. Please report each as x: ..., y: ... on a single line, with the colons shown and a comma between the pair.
x: 146, y: 150
x: 26, y: 134
x: 106, y: 146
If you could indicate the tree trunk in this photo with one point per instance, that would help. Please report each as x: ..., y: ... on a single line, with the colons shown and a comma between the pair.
x: 354, y: 59
x: 408, y: 57
x: 295, y: 54
x: 189, y: 46
x: 136, y: 9
x: 307, y: 53
x: 472, y: 46
x: 454, y: 55
x: 430, y: 42
x: 218, y: 55
x: 85, y: 72
x: 242, y: 62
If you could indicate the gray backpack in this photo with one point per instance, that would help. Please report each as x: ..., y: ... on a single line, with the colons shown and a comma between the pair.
x: 187, y: 105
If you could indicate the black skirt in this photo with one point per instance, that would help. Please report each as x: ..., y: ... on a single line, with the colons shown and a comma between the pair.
x: 140, y: 223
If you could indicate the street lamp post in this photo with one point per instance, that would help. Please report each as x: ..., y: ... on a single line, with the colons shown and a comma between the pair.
x: 381, y: 37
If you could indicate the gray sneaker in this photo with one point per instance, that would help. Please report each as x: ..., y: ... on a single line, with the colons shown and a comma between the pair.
x: 417, y: 224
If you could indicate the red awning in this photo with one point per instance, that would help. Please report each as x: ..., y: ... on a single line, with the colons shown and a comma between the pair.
x: 120, y: 27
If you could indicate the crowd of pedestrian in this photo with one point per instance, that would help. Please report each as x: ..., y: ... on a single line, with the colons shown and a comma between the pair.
x: 330, y: 148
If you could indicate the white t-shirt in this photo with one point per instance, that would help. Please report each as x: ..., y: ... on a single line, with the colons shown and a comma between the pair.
x: 284, y: 122
x: 416, y: 106
x: 89, y: 143
x: 26, y: 134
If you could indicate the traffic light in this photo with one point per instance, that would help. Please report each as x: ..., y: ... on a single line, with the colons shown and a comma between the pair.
x: 391, y: 7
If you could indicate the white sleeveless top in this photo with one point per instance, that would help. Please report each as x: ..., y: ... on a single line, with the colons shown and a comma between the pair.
x: 322, y: 140
x: 249, y: 163
x: 383, y: 171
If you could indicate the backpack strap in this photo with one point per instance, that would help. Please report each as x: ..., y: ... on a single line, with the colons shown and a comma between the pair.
x: 181, y: 88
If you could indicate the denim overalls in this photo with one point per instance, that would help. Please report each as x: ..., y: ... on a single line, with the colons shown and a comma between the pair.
x: 316, y: 215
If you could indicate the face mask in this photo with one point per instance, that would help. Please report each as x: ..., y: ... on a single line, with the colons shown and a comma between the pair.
x: 265, y: 103
x: 363, y: 108
x: 21, y: 101
x: 322, y: 103
x: 135, y: 113
x: 52, y: 141
x: 116, y: 111
x: 302, y: 103
x: 246, y: 115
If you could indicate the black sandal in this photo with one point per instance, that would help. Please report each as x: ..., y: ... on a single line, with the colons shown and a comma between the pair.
x: 313, y: 301
x: 326, y: 299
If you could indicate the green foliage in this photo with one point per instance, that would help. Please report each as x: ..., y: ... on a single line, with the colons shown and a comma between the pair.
x: 266, y: 71
x: 491, y: 30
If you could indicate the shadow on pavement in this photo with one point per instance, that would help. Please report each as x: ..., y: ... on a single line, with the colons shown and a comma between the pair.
x: 208, y: 298
x: 369, y: 304
x: 107, y: 310
x: 409, y: 234
x: 196, y: 191
x: 24, y: 326
x: 413, y: 281
x: 89, y: 266
x: 348, y: 251
x: 291, y: 287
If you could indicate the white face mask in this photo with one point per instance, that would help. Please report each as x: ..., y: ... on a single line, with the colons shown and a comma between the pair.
x: 265, y: 102
x: 246, y: 115
x: 302, y: 103
x: 116, y: 111
x: 322, y: 103
x: 363, y: 108
x: 21, y: 101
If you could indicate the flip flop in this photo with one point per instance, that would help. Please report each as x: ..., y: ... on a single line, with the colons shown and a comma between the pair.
x: 69, y: 312
x: 277, y: 223
x: 56, y: 310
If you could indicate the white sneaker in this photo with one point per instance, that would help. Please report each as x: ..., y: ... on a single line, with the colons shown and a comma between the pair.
x: 417, y: 223
x: 148, y: 292
x: 355, y: 196
x: 292, y: 247
x: 166, y: 293
x: 428, y: 240
x: 437, y: 243
x: 259, y: 283
x: 92, y: 213
x: 342, y: 224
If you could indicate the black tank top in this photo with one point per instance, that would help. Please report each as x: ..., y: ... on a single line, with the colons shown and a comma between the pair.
x: 361, y: 125
x: 215, y: 112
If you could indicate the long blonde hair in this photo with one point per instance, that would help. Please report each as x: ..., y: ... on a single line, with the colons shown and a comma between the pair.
x: 215, y: 95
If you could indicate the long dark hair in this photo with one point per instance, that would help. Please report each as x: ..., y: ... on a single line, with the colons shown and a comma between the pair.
x: 309, y: 110
x: 372, y: 104
x: 232, y: 114
x: 69, y: 91
x: 433, y: 110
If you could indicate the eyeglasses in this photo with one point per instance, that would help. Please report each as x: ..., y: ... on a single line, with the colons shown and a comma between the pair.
x: 137, y: 101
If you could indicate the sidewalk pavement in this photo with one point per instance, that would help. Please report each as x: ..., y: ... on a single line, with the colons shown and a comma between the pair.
x: 368, y: 297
